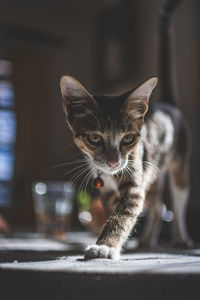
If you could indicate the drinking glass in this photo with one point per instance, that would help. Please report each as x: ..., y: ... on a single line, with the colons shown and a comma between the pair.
x: 53, y: 207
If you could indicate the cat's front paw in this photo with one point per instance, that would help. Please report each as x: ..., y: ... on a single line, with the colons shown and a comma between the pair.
x: 101, y: 251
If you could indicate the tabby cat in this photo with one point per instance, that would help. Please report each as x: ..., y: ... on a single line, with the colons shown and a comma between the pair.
x: 125, y: 143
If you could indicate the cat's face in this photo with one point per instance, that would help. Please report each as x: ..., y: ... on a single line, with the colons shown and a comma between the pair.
x: 106, y: 128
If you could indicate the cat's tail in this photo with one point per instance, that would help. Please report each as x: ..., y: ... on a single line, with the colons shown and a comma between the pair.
x: 166, y: 66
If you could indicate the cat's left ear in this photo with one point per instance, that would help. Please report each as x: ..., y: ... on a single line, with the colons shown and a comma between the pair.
x: 76, y: 99
x: 137, y: 102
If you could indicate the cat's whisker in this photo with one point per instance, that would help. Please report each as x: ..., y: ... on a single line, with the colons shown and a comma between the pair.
x: 154, y: 168
x: 86, y: 169
x: 130, y: 172
x: 89, y: 176
x: 77, y: 176
x: 147, y: 163
x: 66, y: 164
x: 82, y: 183
x: 134, y: 167
x: 124, y: 172
x: 75, y: 168
x: 118, y: 177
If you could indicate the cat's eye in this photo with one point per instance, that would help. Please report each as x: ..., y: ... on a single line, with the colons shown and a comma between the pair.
x: 95, y: 139
x: 128, y: 139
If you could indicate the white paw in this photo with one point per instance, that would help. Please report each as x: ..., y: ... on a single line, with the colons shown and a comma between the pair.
x: 101, y: 251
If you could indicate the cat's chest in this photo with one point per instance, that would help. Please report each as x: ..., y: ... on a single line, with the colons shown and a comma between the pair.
x: 109, y: 182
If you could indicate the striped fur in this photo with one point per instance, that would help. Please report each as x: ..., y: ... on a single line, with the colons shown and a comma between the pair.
x: 156, y: 139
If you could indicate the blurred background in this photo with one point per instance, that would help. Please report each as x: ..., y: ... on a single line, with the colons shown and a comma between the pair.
x: 109, y: 46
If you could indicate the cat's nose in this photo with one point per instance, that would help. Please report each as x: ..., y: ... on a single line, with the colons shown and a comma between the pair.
x: 113, y: 164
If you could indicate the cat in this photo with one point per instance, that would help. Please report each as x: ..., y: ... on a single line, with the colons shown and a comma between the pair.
x: 125, y: 141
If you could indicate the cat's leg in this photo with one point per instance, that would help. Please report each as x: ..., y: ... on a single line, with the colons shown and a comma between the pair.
x: 132, y: 189
x: 118, y: 226
x: 180, y: 193
x: 150, y: 235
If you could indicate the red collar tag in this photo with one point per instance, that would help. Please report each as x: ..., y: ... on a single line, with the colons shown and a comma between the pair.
x: 98, y: 182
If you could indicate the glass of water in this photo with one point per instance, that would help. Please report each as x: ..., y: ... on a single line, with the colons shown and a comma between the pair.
x: 53, y: 207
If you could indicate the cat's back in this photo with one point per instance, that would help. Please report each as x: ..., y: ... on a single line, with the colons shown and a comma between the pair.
x: 165, y: 128
x: 166, y: 113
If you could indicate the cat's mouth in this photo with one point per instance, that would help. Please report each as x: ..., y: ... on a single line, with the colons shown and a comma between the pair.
x: 110, y: 170
x: 105, y: 168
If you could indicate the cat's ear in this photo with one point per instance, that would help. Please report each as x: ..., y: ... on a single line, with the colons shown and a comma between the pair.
x: 76, y: 99
x: 137, y: 102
